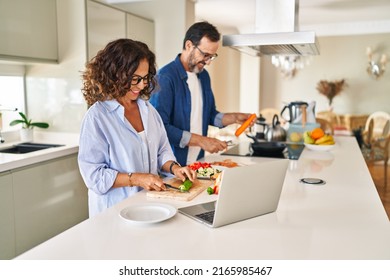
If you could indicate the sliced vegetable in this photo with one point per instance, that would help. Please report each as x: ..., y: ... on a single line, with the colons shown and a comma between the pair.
x: 186, y: 186
x: 210, y: 190
x: 213, y: 190
x: 204, y: 169
x: 196, y: 165
x: 206, y: 172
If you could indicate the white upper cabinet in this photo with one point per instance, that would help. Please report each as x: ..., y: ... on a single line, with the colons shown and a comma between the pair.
x: 141, y: 29
x: 28, y: 31
x: 104, y: 25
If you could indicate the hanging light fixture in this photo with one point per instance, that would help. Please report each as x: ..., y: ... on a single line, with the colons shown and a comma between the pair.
x: 289, y: 65
x: 375, y: 69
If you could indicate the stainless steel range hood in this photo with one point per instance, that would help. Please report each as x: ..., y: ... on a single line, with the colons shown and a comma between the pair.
x: 280, y: 19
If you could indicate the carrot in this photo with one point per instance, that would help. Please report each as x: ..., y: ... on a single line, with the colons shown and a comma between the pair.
x: 245, y: 125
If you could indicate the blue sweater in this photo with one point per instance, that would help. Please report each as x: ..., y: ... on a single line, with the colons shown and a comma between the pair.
x: 172, y: 99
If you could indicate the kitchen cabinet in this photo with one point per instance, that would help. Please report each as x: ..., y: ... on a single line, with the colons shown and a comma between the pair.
x: 140, y: 29
x: 39, y: 201
x: 28, y: 31
x: 49, y: 198
x: 7, y: 223
x: 104, y: 24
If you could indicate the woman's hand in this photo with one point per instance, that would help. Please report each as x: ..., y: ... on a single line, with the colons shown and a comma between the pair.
x: 149, y: 182
x: 183, y: 173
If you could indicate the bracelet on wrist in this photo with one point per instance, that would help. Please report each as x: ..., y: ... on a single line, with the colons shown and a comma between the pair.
x: 172, y: 164
x: 129, y: 177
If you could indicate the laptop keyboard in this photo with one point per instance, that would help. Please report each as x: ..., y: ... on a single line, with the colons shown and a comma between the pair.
x: 207, y: 216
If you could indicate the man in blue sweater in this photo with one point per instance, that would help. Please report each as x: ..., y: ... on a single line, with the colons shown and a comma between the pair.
x: 185, y: 100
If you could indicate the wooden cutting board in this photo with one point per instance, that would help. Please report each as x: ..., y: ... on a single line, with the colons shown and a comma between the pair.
x: 197, y: 187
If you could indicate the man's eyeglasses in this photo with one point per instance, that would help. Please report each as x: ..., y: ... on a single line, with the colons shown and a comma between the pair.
x: 207, y: 56
x: 136, y: 79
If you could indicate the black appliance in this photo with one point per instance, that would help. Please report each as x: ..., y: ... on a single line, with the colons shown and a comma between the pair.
x: 292, y: 151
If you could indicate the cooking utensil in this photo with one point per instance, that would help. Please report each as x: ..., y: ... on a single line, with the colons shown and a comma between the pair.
x: 173, y: 188
x: 254, y: 138
x: 260, y: 127
x: 275, y: 132
x: 230, y: 143
x: 268, y: 148
x: 197, y: 188
x: 264, y: 148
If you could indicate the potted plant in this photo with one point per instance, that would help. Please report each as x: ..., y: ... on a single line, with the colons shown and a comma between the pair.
x: 26, y: 133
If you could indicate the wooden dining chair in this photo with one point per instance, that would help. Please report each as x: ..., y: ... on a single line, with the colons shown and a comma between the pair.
x: 325, y: 125
x: 381, y: 124
x: 330, y: 116
x: 269, y: 113
x: 376, y: 148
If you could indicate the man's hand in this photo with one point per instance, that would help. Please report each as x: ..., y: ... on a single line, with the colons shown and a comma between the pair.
x: 211, y: 145
x: 230, y: 118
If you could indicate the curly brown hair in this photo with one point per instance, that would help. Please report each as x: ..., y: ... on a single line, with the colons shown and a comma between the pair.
x: 108, y: 75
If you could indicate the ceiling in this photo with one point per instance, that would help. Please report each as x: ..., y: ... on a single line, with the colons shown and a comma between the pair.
x: 326, y: 17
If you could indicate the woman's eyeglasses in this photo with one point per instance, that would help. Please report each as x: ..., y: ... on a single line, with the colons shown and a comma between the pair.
x: 136, y: 79
x: 207, y: 56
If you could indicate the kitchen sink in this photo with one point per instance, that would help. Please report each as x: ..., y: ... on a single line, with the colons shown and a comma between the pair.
x: 24, y: 148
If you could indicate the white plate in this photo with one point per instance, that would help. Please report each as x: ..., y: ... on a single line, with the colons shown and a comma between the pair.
x: 148, y: 213
x: 319, y: 147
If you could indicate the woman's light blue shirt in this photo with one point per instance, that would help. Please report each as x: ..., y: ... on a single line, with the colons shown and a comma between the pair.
x: 110, y: 145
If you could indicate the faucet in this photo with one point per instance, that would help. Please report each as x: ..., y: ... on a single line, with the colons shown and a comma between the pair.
x: 1, y: 126
x: 2, y: 140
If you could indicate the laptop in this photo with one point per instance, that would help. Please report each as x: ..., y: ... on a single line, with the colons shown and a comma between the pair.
x: 244, y: 192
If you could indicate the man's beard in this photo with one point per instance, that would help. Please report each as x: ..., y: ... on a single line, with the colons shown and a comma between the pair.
x: 193, y: 66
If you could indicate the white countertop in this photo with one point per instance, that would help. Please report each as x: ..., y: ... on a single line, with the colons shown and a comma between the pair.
x: 343, y: 219
x: 70, y: 141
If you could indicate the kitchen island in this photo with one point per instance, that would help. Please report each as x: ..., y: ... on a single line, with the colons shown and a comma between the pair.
x: 342, y: 219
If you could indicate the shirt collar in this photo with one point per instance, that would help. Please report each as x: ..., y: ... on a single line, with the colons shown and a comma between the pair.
x: 111, y: 105
x: 182, y: 71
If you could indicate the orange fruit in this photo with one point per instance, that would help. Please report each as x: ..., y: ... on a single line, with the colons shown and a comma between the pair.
x: 317, y: 133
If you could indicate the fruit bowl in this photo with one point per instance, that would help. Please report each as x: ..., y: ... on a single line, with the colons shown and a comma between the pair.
x: 314, y: 147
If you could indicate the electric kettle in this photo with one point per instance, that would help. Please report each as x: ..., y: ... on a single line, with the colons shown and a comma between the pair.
x: 293, y: 110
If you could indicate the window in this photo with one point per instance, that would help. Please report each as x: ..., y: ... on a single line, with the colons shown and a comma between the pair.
x: 11, y: 94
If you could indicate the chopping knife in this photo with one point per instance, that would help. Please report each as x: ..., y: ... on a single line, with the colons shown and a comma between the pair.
x: 173, y: 188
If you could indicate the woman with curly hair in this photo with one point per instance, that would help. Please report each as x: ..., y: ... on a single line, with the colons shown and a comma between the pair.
x: 123, y: 143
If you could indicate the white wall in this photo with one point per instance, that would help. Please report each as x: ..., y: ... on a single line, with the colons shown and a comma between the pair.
x: 341, y: 57
x: 53, y: 91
